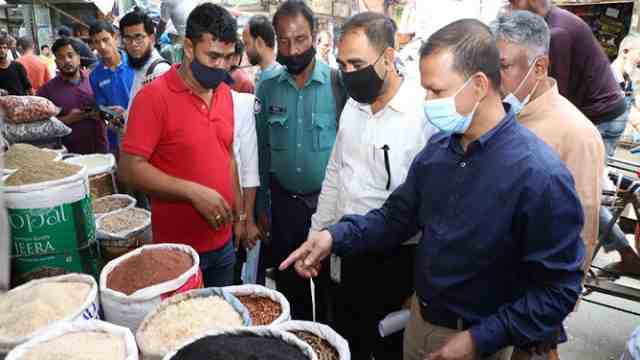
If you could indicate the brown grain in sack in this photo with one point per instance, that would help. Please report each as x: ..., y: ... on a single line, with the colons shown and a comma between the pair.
x: 149, y: 268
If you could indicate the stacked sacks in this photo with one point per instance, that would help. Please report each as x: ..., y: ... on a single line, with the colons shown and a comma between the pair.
x: 30, y: 119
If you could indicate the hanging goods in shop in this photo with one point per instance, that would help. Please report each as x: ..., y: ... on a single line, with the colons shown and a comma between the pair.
x: 188, y: 315
x: 102, y: 170
x: 39, y: 305
x: 262, y: 343
x: 94, y: 339
x: 129, y: 310
x: 266, y: 306
x: 52, y: 223
x: 325, y: 342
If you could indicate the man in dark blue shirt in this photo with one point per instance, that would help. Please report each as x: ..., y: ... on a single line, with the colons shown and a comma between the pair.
x: 499, y: 262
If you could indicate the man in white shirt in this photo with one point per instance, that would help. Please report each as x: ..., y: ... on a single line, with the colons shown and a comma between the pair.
x: 245, y: 149
x: 382, y: 128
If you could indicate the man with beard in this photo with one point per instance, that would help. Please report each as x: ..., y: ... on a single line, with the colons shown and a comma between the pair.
x: 382, y: 129
x: 138, y: 36
x: 259, y: 39
x: 71, y: 91
x: 13, y: 76
x: 296, y: 124
x: 178, y: 147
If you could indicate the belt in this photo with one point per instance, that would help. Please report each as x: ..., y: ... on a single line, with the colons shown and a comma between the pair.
x: 443, y: 317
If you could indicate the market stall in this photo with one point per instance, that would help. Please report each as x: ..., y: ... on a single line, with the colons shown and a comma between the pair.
x: 610, y: 20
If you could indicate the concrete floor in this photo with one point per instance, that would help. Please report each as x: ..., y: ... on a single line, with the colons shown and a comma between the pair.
x: 596, y: 332
x: 599, y: 333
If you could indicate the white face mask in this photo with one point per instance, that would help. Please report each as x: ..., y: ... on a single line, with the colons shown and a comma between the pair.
x: 512, y: 100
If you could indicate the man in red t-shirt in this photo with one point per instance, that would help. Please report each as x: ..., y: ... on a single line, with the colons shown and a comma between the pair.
x: 178, y: 146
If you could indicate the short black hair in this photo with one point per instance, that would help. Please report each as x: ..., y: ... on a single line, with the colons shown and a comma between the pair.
x: 63, y: 42
x: 64, y: 31
x: 473, y: 47
x: 78, y: 28
x: 379, y: 29
x: 260, y: 27
x: 25, y: 43
x: 136, y: 18
x: 5, y: 40
x: 211, y: 19
x: 239, y: 50
x: 293, y: 8
x: 45, y: 46
x: 100, y: 26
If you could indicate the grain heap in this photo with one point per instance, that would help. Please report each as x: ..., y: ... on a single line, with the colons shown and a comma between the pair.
x: 25, y: 311
x: 322, y: 348
x: 240, y: 347
x: 180, y: 321
x: 20, y: 155
x: 84, y: 345
x: 40, y: 172
x: 263, y: 310
x: 149, y: 268
x: 123, y: 221
x: 110, y: 203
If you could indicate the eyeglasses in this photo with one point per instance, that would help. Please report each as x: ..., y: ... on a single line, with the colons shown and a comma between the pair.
x: 137, y: 38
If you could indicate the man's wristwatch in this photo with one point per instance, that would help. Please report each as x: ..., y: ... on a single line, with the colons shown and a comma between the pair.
x: 242, y: 217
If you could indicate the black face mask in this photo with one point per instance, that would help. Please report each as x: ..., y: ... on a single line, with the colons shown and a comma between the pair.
x: 363, y: 85
x: 208, y: 77
x: 296, y: 64
x: 139, y: 63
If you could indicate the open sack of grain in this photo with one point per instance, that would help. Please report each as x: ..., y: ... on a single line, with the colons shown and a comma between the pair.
x: 134, y: 284
x: 30, y: 309
x: 188, y: 315
x: 123, y: 230
x: 19, y: 155
x: 111, y: 203
x: 51, y: 221
x: 326, y: 343
x: 101, y: 169
x: 36, y: 131
x: 26, y: 109
x: 94, y: 339
x: 266, y: 306
x: 261, y: 343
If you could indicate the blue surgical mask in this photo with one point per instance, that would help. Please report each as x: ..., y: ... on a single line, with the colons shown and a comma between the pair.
x: 511, y: 99
x: 442, y: 113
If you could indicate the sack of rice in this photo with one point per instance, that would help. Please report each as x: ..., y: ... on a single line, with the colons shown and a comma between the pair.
x: 261, y: 343
x: 266, y: 306
x: 94, y: 339
x: 102, y: 170
x: 51, y: 220
x: 25, y: 109
x: 143, y: 278
x: 30, y: 309
x: 40, y: 130
x: 122, y: 231
x: 111, y: 203
x: 187, y: 315
x: 19, y: 155
x: 326, y: 343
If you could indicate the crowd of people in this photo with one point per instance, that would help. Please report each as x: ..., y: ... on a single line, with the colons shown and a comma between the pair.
x: 478, y: 208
